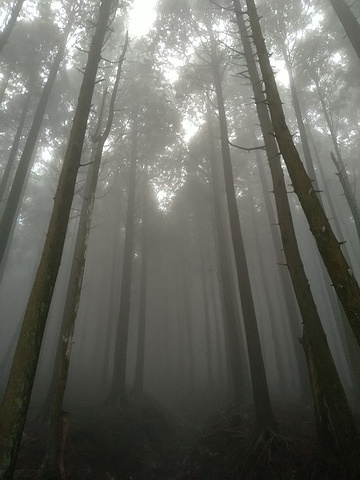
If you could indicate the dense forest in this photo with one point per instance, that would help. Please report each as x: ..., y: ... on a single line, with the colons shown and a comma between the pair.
x: 179, y: 239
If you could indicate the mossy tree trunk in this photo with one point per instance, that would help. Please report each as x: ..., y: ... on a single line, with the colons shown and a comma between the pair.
x: 334, y: 419
x: 52, y: 465
x: 17, y: 396
x: 339, y: 270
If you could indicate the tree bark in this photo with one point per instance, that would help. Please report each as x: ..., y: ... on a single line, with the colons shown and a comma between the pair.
x: 339, y: 271
x: 17, y: 396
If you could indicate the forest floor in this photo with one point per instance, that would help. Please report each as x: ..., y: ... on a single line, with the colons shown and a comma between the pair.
x: 143, y: 442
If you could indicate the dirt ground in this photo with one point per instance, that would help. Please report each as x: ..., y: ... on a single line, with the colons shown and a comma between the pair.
x: 144, y: 442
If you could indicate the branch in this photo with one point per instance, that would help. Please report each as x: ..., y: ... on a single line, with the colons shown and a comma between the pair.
x: 247, y: 149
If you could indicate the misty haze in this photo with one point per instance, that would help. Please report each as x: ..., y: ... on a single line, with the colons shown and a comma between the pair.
x: 179, y: 240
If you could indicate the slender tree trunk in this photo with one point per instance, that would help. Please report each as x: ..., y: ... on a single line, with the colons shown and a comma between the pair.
x: 329, y: 198
x: 15, y: 196
x: 334, y: 417
x: 263, y: 408
x: 349, y: 22
x: 140, y: 352
x: 118, y: 394
x: 293, y: 314
x: 15, y: 146
x: 4, y: 35
x: 300, y: 122
x: 350, y: 198
x: 235, y: 353
x: 336, y: 306
x: 17, y: 396
x: 219, y: 339
x: 185, y: 295
x: 272, y: 319
x: 339, y: 271
x: 111, y: 321
x: 52, y: 465
x: 205, y: 296
x: 337, y: 158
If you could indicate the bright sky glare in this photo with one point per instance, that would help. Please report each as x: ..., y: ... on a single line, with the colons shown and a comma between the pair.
x: 142, y: 16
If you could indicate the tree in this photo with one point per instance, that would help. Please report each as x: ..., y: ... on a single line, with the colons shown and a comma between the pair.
x: 118, y: 394
x: 349, y: 22
x: 264, y: 415
x: 12, y: 205
x: 339, y: 271
x: 349, y: 194
x: 326, y: 386
x: 52, y: 465
x: 17, y: 396
x: 140, y: 347
x: 4, y: 35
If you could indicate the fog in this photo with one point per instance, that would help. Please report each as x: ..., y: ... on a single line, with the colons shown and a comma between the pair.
x: 179, y: 245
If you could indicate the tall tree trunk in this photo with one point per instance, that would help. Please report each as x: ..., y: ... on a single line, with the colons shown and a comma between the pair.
x: 346, y: 333
x: 220, y: 382
x: 204, y: 275
x: 337, y: 158
x: 336, y: 306
x: 187, y: 317
x: 52, y: 465
x: 17, y: 396
x: 140, y: 352
x: 263, y: 408
x: 353, y: 348
x: 16, y: 193
x: 273, y: 321
x: 234, y: 347
x: 349, y: 22
x: 118, y: 394
x: 339, y: 271
x: 333, y: 412
x: 15, y: 146
x: 111, y: 321
x: 4, y: 35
